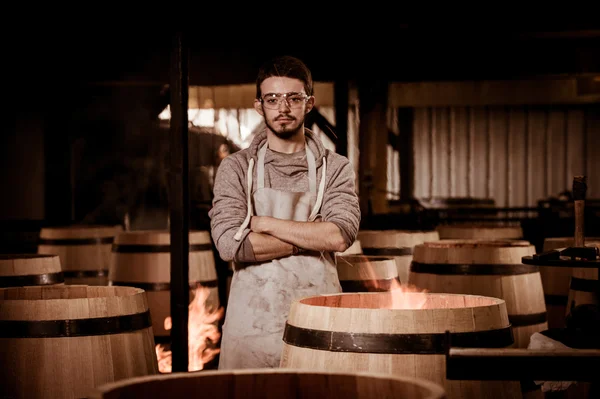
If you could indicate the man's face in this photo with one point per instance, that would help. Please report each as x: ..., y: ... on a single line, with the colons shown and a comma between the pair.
x: 284, y: 106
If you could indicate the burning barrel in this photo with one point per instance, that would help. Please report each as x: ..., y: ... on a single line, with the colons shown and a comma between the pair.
x: 489, y: 268
x: 62, y: 341
x: 84, y: 251
x: 556, y: 280
x: 398, y: 333
x: 272, y: 384
x: 361, y: 273
x: 481, y: 231
x: 398, y: 244
x: 20, y: 270
x: 142, y: 259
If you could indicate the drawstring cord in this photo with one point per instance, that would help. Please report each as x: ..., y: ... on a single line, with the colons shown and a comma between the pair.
x: 239, y: 233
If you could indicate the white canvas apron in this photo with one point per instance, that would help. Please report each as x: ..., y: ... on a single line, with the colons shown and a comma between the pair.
x: 261, y: 294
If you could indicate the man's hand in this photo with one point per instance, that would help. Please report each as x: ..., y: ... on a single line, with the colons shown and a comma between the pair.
x: 316, y: 236
x: 267, y: 247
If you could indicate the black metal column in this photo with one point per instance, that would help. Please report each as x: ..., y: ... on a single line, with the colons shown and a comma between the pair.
x: 407, y: 156
x: 340, y: 92
x: 180, y: 203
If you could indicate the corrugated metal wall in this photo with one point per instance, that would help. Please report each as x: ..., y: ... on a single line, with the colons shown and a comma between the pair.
x: 515, y: 155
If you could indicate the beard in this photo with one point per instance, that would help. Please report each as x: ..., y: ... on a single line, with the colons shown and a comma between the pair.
x: 287, y: 130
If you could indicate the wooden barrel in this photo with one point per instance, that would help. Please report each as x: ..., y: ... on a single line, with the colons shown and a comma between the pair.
x: 142, y: 259
x: 362, y: 273
x: 62, y: 341
x: 584, y: 288
x: 21, y: 270
x: 398, y: 244
x: 489, y: 268
x: 84, y: 251
x: 397, y: 333
x: 272, y: 384
x: 479, y: 231
x: 557, y: 280
x: 354, y: 249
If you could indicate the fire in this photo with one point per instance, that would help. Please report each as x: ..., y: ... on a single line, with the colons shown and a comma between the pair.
x: 403, y: 295
x: 203, y: 334
x: 407, y: 296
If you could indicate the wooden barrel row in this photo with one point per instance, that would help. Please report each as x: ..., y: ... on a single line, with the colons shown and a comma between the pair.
x: 488, y: 268
x: 84, y: 251
x: 397, y: 244
x: 107, y: 255
x: 21, y: 270
x: 475, y: 267
x: 142, y: 259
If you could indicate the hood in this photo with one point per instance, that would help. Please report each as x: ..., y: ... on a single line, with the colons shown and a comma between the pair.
x: 312, y: 140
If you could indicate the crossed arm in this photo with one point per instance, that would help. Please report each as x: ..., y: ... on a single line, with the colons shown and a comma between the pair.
x: 273, y: 238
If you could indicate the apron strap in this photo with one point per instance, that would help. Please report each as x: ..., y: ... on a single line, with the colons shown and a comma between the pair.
x: 317, y: 206
x: 260, y: 171
x: 240, y: 231
x: 312, y: 170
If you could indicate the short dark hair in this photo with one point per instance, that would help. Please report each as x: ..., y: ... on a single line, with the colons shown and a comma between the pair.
x: 287, y: 66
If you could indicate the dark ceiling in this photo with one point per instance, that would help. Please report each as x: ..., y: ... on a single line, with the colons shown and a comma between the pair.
x: 395, y: 52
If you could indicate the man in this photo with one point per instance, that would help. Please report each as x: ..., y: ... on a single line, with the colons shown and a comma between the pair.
x: 281, y: 209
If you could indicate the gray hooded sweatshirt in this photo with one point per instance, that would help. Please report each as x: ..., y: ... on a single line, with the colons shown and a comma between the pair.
x: 288, y: 172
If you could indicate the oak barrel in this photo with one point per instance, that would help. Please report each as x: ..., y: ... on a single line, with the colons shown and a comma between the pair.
x: 272, y: 384
x: 21, y: 270
x: 62, y: 341
x: 84, y: 251
x: 362, y: 273
x: 489, y: 268
x: 557, y: 280
x: 142, y: 259
x: 398, y: 333
x: 481, y: 231
x: 396, y: 243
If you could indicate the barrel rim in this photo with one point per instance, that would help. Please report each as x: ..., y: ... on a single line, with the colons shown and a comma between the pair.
x: 436, y: 391
x: 362, y: 258
x: 478, y: 226
x: 126, y: 290
x: 70, y: 231
x: 21, y: 256
x: 486, y: 243
x: 159, y: 236
x: 397, y: 231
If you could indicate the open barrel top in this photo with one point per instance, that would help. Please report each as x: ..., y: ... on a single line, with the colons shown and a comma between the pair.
x: 70, y: 302
x: 385, y: 300
x: 398, y: 312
